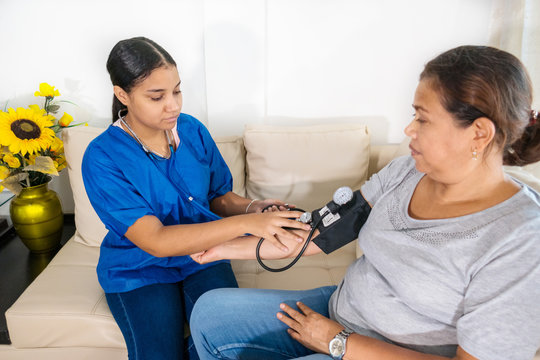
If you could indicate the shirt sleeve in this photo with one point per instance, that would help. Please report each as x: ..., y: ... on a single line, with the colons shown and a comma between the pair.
x: 502, y: 304
x: 388, y: 177
x: 221, y: 180
x: 114, y: 198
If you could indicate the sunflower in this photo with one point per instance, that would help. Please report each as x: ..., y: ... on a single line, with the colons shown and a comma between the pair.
x: 25, y: 130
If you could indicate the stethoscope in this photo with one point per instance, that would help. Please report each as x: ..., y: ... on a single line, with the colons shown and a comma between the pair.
x: 302, y: 251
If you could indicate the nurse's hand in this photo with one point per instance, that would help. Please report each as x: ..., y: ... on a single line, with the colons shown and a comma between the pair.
x: 270, y: 225
x: 259, y: 206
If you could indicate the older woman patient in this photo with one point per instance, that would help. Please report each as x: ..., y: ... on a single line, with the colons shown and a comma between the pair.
x: 451, y: 264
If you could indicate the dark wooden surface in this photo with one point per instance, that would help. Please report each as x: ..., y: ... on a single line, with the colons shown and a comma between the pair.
x: 18, y: 268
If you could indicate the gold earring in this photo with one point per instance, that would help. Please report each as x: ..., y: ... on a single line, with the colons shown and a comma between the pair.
x: 474, y: 155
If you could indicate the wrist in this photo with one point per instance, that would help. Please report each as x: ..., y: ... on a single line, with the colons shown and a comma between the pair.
x: 338, y: 345
x: 250, y: 205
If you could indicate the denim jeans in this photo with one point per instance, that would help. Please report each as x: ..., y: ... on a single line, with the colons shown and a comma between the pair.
x: 242, y: 323
x: 152, y: 318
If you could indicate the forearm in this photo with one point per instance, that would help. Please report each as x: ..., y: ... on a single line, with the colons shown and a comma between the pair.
x: 243, y: 248
x: 229, y: 204
x: 152, y: 236
x: 365, y: 348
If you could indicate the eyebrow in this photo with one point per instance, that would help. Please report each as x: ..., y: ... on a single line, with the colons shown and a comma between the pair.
x: 162, y: 90
x: 418, y: 107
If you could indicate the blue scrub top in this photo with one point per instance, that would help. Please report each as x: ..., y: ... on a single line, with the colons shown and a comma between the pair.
x: 124, y: 183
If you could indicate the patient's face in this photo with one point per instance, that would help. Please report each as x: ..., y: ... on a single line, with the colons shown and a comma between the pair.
x: 440, y: 148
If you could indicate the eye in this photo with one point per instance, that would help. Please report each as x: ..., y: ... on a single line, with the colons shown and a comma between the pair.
x: 177, y: 92
x: 421, y: 121
x: 157, y: 98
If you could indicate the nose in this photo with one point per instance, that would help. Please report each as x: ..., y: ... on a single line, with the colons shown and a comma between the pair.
x: 409, y: 130
x: 174, y: 104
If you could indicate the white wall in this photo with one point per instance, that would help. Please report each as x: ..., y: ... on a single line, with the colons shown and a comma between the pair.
x: 243, y: 61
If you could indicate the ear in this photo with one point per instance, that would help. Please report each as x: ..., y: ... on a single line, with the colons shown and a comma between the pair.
x: 121, y: 95
x: 483, y: 132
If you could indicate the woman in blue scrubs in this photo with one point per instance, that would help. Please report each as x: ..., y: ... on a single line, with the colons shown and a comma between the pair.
x: 159, y: 184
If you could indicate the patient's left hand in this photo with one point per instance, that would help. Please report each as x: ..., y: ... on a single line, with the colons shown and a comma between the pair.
x: 308, y: 327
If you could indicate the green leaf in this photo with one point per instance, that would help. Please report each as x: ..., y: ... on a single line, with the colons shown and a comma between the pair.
x: 53, y: 108
x: 66, y: 101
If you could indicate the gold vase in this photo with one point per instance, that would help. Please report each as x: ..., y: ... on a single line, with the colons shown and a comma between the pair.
x: 37, y: 218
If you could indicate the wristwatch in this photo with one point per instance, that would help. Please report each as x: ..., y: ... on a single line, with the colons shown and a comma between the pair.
x: 336, y: 347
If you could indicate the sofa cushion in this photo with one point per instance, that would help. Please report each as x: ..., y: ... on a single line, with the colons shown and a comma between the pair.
x: 304, y: 165
x: 526, y: 177
x: 89, y: 226
x: 65, y: 306
x: 234, y: 154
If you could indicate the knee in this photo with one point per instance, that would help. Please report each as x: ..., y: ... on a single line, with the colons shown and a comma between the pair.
x: 208, y: 310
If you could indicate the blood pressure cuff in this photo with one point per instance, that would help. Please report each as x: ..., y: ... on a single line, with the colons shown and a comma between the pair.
x: 339, y: 229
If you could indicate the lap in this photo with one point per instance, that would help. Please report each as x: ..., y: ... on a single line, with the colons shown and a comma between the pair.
x: 152, y: 317
x: 242, y: 323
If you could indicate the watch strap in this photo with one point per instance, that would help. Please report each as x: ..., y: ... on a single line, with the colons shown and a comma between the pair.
x: 343, y: 335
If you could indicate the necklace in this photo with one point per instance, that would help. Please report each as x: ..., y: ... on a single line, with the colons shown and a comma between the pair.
x: 145, y: 147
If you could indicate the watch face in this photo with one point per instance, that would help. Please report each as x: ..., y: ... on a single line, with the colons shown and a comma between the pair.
x: 336, y: 347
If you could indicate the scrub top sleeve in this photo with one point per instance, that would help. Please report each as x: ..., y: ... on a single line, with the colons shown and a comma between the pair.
x: 114, y: 198
x: 221, y: 180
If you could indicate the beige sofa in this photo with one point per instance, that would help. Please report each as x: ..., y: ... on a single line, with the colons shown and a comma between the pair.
x: 63, y: 314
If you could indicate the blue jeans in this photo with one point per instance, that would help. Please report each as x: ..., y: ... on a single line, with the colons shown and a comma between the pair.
x: 152, y: 318
x: 242, y: 323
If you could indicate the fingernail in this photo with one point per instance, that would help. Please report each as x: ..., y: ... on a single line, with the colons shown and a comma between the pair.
x: 284, y: 249
x: 282, y: 306
x: 299, y: 239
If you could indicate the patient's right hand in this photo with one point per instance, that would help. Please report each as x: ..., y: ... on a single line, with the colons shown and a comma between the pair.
x: 205, y: 257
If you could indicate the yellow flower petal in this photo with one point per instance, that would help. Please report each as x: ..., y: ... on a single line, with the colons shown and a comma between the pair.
x: 47, y: 90
x: 12, y: 161
x: 65, y: 120
x: 4, y: 172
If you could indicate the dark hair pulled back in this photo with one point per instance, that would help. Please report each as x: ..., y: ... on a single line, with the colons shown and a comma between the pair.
x: 482, y: 81
x: 131, y: 61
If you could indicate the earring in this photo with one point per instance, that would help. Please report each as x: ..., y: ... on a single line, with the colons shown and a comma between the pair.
x: 474, y: 155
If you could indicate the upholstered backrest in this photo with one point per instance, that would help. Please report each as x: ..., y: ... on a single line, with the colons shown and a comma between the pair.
x: 89, y: 226
x: 234, y: 154
x: 304, y: 165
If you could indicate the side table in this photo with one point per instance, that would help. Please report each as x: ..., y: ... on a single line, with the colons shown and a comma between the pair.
x: 5, y: 222
x: 19, y: 267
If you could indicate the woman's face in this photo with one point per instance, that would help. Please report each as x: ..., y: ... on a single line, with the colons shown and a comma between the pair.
x: 156, y: 102
x: 441, y: 149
